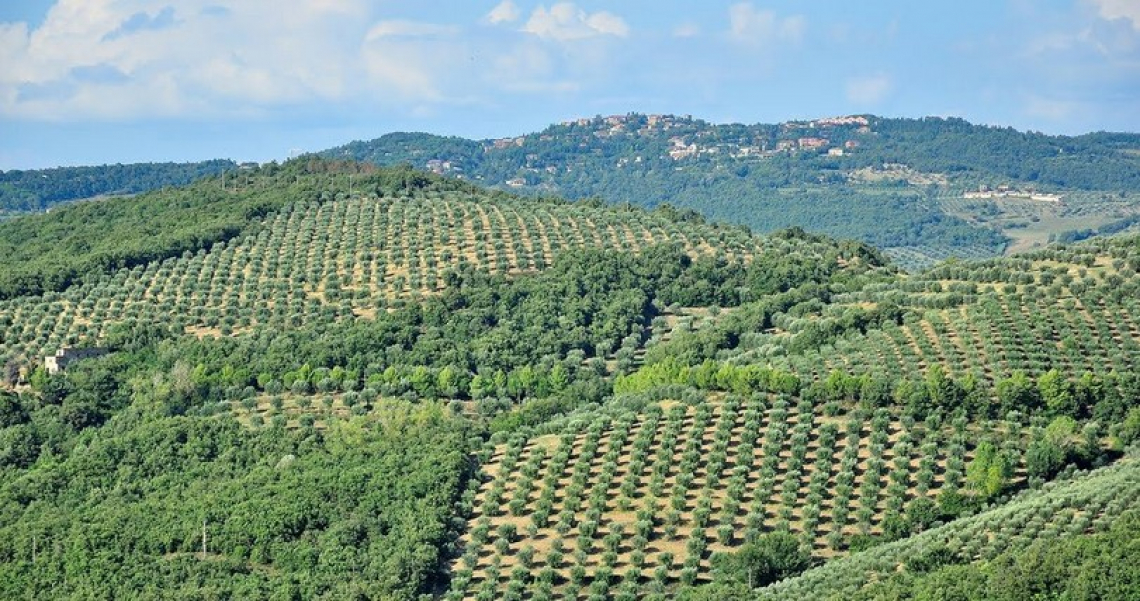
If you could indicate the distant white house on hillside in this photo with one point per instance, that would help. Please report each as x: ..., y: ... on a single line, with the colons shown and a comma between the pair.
x: 65, y: 356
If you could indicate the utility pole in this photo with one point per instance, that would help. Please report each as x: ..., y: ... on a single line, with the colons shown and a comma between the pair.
x: 203, y: 539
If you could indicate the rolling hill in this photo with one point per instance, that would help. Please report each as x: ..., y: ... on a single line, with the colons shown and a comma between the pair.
x: 327, y: 379
x: 218, y: 261
x: 847, y: 419
x: 36, y: 190
x: 923, y: 190
x: 909, y: 186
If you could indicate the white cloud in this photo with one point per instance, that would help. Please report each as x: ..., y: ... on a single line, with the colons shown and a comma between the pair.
x: 400, y: 73
x: 792, y: 28
x: 1050, y: 109
x: 135, y: 59
x: 402, y: 28
x: 749, y: 25
x: 1110, y: 10
x: 869, y: 90
x: 565, y: 22
x: 527, y: 62
x: 504, y: 12
x: 687, y: 30
x: 13, y: 47
x: 120, y: 60
x: 1107, y: 41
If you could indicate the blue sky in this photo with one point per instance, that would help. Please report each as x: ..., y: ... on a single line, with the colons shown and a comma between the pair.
x: 105, y: 81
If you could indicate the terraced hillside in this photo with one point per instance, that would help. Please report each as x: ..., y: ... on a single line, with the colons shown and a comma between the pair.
x: 334, y: 260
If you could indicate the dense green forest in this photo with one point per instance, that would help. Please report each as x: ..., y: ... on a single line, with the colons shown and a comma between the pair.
x: 375, y: 383
x: 155, y: 505
x: 1089, y: 162
x: 35, y: 190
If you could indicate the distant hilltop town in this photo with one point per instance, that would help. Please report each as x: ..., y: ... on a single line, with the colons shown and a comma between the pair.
x: 690, y: 138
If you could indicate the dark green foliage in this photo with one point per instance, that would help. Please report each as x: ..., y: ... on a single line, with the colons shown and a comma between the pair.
x: 1098, y: 566
x: 1043, y: 459
x: 37, y: 189
x: 930, y: 559
x: 1130, y: 432
x: 12, y: 411
x: 938, y: 393
x: 19, y: 446
x: 1088, y: 162
x: 769, y: 558
x: 358, y: 512
x: 1017, y: 393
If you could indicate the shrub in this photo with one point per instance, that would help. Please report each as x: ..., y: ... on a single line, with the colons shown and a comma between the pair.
x: 770, y: 558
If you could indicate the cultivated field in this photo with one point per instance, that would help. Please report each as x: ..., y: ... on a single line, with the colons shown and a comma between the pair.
x: 637, y: 503
x: 1073, y: 309
x: 339, y: 260
x: 1083, y: 505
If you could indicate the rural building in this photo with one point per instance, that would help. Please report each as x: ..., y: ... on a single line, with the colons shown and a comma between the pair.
x: 58, y: 362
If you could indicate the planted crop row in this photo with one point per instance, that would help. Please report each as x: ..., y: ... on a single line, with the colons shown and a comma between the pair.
x: 339, y: 260
x: 1065, y: 508
x: 1072, y: 309
x: 638, y: 503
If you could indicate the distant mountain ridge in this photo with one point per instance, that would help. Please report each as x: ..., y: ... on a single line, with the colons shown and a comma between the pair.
x: 36, y: 190
x: 921, y: 189
x: 989, y: 155
x: 896, y: 183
